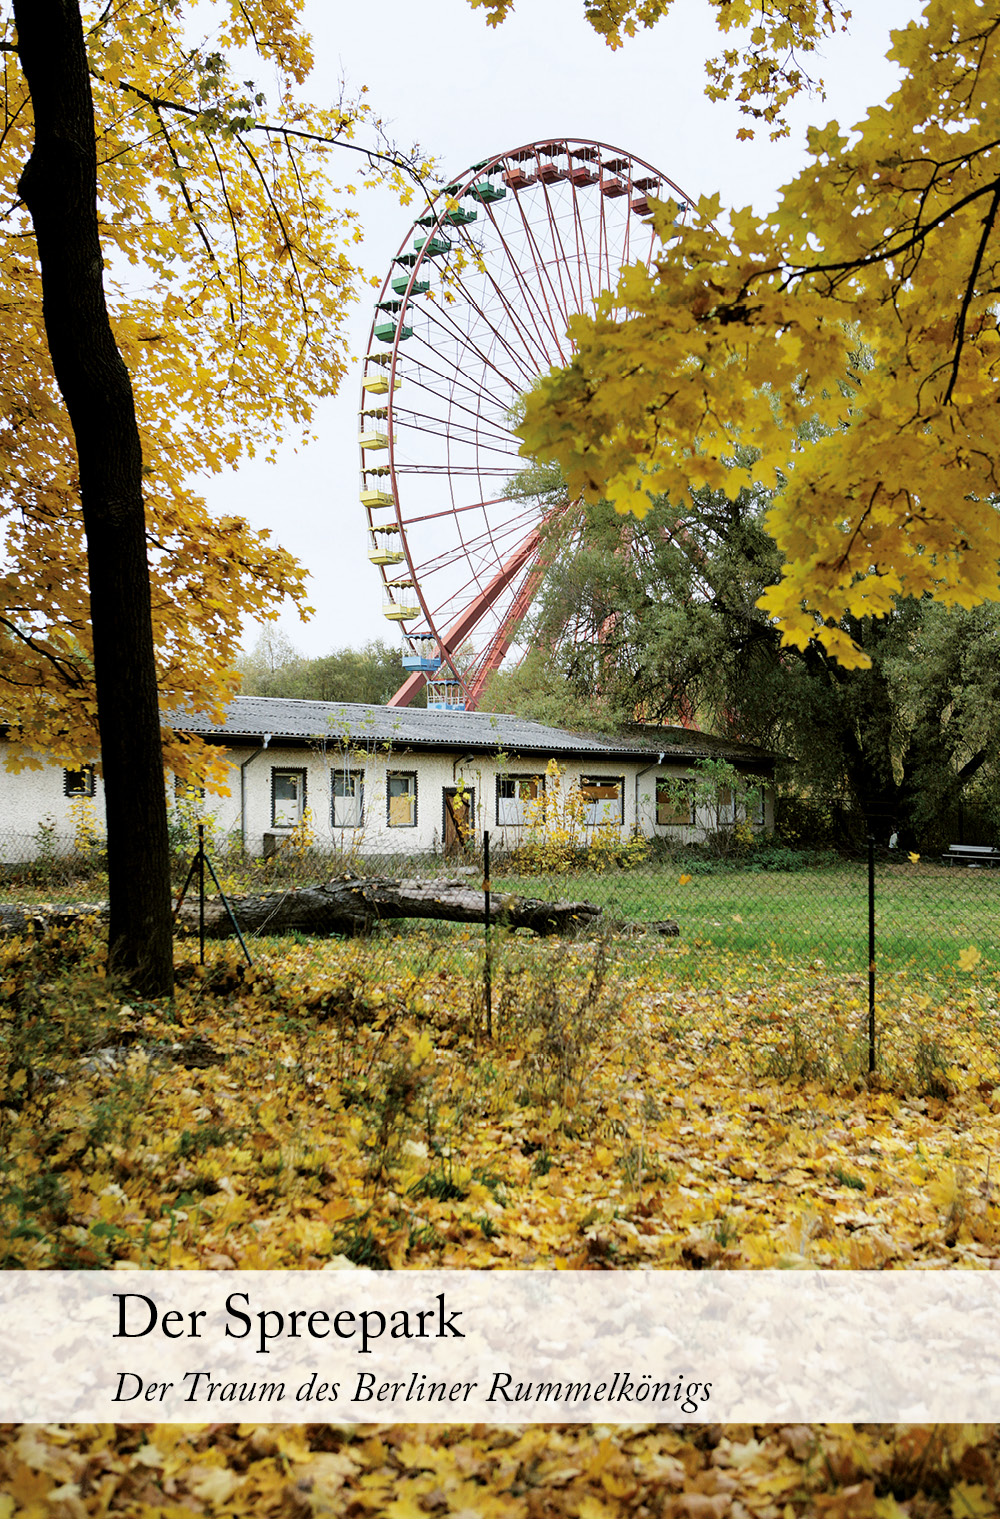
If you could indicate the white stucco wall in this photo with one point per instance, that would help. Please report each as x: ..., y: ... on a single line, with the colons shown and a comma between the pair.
x: 33, y: 801
x: 35, y: 812
x: 434, y: 773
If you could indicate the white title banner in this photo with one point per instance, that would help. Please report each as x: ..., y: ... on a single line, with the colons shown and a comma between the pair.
x: 499, y: 1347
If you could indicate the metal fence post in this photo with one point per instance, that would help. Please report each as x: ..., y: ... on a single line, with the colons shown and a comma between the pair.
x: 201, y: 891
x: 871, y: 952
x: 487, y: 967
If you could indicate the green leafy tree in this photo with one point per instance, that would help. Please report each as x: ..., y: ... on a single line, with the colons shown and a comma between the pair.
x: 274, y: 667
x: 657, y: 621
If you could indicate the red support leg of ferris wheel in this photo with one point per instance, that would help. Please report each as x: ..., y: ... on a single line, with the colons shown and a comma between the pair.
x: 470, y: 619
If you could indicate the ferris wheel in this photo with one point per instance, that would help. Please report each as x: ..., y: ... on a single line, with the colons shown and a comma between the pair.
x: 474, y: 308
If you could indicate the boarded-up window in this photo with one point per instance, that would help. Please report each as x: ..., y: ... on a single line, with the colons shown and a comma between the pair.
x: 674, y: 803
x: 604, y: 799
x: 517, y: 799
x: 402, y: 800
x: 348, y: 798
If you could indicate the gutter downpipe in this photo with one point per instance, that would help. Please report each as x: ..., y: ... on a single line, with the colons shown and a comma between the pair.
x: 265, y: 740
x: 638, y: 774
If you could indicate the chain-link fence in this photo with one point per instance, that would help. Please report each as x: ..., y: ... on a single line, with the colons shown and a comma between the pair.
x: 794, y: 964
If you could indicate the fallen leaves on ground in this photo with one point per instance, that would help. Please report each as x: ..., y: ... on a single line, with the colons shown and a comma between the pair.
x: 520, y: 1472
x: 332, y: 1108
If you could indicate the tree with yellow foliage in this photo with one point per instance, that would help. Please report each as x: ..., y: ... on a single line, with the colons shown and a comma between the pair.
x: 865, y: 304
x: 174, y: 282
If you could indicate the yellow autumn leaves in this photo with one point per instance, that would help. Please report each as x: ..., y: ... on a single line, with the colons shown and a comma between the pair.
x: 770, y: 65
x: 229, y: 270
x: 287, y: 1471
x: 863, y: 306
x: 335, y: 1106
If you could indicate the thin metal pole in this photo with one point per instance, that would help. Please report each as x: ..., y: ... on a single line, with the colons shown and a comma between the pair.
x: 226, y: 905
x: 871, y: 952
x: 487, y: 967
x: 184, y: 889
x: 201, y: 890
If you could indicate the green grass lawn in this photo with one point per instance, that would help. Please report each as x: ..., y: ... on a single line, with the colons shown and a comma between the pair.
x: 816, y: 915
x: 925, y: 915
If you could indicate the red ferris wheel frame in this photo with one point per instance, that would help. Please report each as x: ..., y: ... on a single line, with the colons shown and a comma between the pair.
x: 460, y: 559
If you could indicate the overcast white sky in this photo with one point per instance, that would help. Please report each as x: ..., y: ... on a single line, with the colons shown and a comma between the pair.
x: 440, y: 76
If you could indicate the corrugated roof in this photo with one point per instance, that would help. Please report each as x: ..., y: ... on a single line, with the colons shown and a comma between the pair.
x: 250, y: 718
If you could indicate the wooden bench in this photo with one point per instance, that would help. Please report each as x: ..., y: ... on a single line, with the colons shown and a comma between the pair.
x: 972, y: 854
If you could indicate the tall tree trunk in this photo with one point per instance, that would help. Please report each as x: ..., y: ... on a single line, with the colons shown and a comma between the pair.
x: 59, y: 186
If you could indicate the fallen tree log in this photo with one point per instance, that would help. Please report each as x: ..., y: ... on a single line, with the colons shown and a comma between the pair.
x: 43, y: 916
x: 355, y: 904
x: 352, y: 905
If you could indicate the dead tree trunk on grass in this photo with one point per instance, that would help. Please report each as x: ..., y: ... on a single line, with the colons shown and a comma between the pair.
x: 356, y: 905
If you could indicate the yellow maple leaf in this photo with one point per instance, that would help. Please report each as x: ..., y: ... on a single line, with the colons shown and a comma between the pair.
x: 969, y: 958
x: 913, y: 858
x: 683, y: 880
x: 970, y: 1500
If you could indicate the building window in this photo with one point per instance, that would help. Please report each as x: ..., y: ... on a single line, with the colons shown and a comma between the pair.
x: 518, y: 798
x: 603, y: 798
x: 745, y: 804
x: 288, y: 797
x: 401, y: 797
x: 674, y: 803
x: 348, y: 798
x: 79, y: 782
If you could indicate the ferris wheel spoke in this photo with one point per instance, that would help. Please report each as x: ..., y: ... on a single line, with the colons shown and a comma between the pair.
x: 452, y: 511
x: 474, y: 305
x: 483, y: 544
x: 573, y: 303
x: 455, y: 332
x: 540, y: 301
x: 481, y: 567
x: 532, y: 309
x: 583, y: 254
x: 456, y: 383
x: 603, y: 250
x: 477, y: 426
x: 541, y: 353
x: 479, y: 418
x: 455, y: 469
x: 536, y: 307
x: 514, y: 354
x: 562, y: 342
x: 468, y: 592
x: 484, y: 602
x: 464, y: 433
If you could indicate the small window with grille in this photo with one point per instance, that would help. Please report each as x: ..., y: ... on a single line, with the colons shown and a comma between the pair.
x: 79, y: 782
